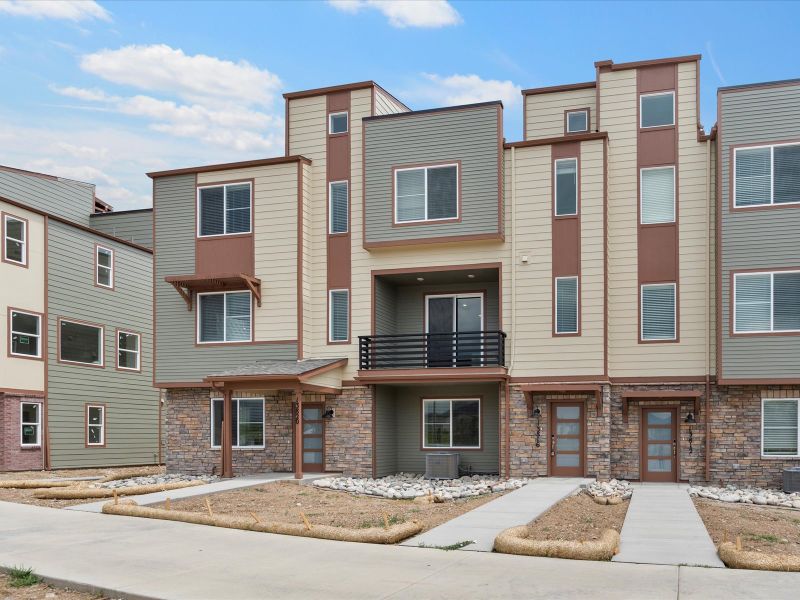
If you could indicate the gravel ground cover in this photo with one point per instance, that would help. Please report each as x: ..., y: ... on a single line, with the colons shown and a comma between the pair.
x: 407, y: 486
x: 578, y: 518
x: 747, y: 495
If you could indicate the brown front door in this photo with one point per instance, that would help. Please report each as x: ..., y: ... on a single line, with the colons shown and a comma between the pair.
x: 659, y: 444
x: 566, y: 439
x: 313, y: 438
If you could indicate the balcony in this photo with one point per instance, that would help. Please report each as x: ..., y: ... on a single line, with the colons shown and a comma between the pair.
x: 432, y: 350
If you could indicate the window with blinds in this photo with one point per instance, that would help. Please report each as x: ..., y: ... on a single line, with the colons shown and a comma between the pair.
x: 657, y: 110
x: 658, y: 312
x: 426, y: 194
x: 338, y: 210
x: 566, y: 305
x: 339, y: 315
x: 780, y: 428
x: 224, y: 317
x: 224, y: 209
x: 766, y: 302
x: 658, y: 195
x: 566, y: 186
x: 767, y: 175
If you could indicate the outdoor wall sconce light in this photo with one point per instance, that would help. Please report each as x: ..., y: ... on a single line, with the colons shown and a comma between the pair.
x: 537, y: 414
x: 690, y: 420
x: 328, y: 414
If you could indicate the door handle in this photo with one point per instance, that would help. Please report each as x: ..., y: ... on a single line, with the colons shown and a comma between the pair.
x: 674, y: 448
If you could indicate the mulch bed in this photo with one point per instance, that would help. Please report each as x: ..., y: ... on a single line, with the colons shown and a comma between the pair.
x: 577, y: 519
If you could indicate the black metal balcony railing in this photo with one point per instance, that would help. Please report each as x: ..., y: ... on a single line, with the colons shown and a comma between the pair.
x: 432, y: 350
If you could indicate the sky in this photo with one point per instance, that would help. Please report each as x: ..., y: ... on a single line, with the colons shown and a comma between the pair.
x: 106, y: 91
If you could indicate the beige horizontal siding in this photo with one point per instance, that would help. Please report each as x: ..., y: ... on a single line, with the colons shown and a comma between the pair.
x: 544, y: 113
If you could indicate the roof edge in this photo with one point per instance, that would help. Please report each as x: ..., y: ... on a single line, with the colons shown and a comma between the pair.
x: 411, y: 113
x: 233, y: 165
x: 760, y: 84
x: 585, y: 85
x: 46, y: 176
x: 122, y: 212
x: 575, y: 137
x: 609, y: 64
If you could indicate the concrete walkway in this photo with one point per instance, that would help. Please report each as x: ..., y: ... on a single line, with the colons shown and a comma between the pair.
x: 222, y: 485
x: 662, y: 527
x: 482, y: 524
x: 150, y: 559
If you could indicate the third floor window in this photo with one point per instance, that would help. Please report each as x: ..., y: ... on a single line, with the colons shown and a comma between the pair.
x: 657, y: 110
x: 223, y: 209
x: 766, y: 175
x: 426, y: 193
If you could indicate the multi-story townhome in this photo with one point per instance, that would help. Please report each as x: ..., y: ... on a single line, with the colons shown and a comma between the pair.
x: 404, y: 283
x: 76, y: 368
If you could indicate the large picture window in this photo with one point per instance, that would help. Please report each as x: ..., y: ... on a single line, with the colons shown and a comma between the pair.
x: 15, y: 240
x: 26, y: 334
x: 223, y: 209
x: 80, y: 343
x: 224, y: 317
x: 426, y: 194
x: 780, y: 427
x: 766, y: 175
x: 247, y: 423
x: 766, y: 302
x: 30, y: 424
x: 451, y: 423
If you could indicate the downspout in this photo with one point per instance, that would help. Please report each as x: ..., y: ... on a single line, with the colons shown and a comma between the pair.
x: 513, y: 305
x: 708, y: 312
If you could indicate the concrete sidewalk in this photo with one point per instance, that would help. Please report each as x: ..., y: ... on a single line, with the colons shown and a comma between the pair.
x: 481, y: 525
x: 662, y: 527
x: 149, y: 559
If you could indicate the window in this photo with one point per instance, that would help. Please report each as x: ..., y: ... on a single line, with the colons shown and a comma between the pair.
x: 451, y: 423
x: 566, y: 186
x: 80, y: 343
x: 128, y: 350
x: 26, y: 334
x: 337, y: 123
x: 224, y: 209
x: 224, y: 317
x: 658, y: 312
x: 30, y: 424
x: 426, y: 194
x: 780, y: 427
x: 247, y: 423
x: 104, y: 267
x: 577, y: 121
x: 566, y: 305
x: 657, y: 110
x: 339, y: 317
x: 95, y: 425
x: 338, y: 207
x: 766, y: 302
x: 767, y: 175
x: 15, y: 240
x: 658, y: 195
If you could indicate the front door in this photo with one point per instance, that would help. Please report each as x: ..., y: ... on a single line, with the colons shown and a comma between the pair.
x: 566, y: 439
x: 313, y: 438
x: 659, y: 444
x: 454, y: 323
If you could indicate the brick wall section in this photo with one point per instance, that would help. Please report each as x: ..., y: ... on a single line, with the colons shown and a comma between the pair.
x: 12, y: 456
x: 348, y: 436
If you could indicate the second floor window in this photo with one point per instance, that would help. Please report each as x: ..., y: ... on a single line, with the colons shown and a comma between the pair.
x: 80, y: 343
x: 15, y: 240
x: 224, y: 317
x: 658, y: 314
x: 766, y: 302
x: 128, y: 350
x: 26, y: 333
x: 339, y: 315
x: 104, y: 267
x: 426, y: 194
x: 767, y: 175
x: 223, y: 209
x: 657, y: 110
x: 338, y: 207
x: 658, y: 195
x: 577, y: 121
x: 566, y: 305
x: 566, y: 187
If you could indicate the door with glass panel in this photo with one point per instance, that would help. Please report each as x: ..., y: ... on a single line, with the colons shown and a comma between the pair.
x: 567, y: 439
x: 659, y: 444
x: 454, y: 324
x: 313, y: 438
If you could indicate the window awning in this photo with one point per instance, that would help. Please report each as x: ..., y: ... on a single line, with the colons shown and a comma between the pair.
x: 595, y: 389
x: 185, y: 285
x: 660, y: 395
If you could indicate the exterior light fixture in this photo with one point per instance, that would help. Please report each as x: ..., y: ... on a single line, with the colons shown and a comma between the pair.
x: 537, y: 414
x: 690, y: 420
x: 471, y: 276
x: 420, y: 279
x: 328, y: 414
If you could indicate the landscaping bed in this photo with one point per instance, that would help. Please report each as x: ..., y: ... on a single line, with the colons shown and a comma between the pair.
x: 578, y: 519
x: 19, y: 586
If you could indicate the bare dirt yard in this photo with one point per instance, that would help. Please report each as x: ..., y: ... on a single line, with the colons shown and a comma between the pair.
x: 762, y: 529
x: 24, y: 588
x: 283, y: 501
x: 577, y: 518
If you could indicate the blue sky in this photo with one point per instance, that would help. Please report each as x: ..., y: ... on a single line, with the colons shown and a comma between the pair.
x: 105, y: 91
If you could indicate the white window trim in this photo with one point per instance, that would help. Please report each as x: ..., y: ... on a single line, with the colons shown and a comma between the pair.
x: 771, y: 303
x: 771, y: 176
x: 641, y: 196
x: 641, y: 113
x: 236, y: 445
x: 38, y: 336
x: 674, y: 312
x: 330, y: 316
x: 572, y: 112
x: 225, y: 317
x: 249, y: 184
x: 555, y: 186
x: 24, y: 242
x: 98, y: 266
x: 330, y: 122
x: 779, y: 456
x: 330, y: 207
x: 451, y: 400
x: 137, y: 352
x: 102, y: 425
x: 577, y: 305
x: 102, y: 329
x: 38, y: 425
x: 425, y: 168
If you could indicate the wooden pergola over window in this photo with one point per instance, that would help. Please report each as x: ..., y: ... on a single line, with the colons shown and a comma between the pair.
x: 187, y: 285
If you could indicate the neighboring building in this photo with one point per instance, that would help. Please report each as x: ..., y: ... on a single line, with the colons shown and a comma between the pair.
x: 76, y: 373
x: 403, y: 282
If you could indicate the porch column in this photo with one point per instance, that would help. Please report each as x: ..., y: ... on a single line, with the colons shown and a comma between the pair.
x: 298, y: 434
x: 227, y: 438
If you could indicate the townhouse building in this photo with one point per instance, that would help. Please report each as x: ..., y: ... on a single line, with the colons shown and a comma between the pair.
x: 404, y: 283
x: 76, y: 369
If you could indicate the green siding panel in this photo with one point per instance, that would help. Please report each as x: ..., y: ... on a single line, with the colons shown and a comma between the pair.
x: 134, y: 226
x: 68, y: 199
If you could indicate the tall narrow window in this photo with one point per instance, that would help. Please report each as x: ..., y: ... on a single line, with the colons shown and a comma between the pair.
x: 658, y: 195
x: 780, y: 435
x: 577, y: 121
x: 767, y: 175
x: 104, y: 267
x: 224, y: 209
x: 95, y: 425
x: 766, y: 302
x: 128, y: 352
x: 658, y: 312
x: 80, y: 343
x: 426, y: 194
x: 657, y: 110
x: 566, y: 305
x: 339, y: 316
x: 26, y: 334
x: 566, y: 186
x: 338, y: 209
x: 247, y: 422
x: 337, y: 123
x: 224, y: 317
x: 30, y: 424
x: 15, y: 240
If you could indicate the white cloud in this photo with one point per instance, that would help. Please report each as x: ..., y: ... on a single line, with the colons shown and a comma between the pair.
x: 465, y: 89
x: 67, y: 10
x: 406, y: 13
x: 84, y: 152
x: 90, y: 95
